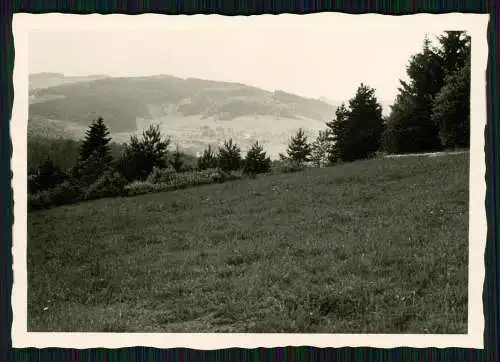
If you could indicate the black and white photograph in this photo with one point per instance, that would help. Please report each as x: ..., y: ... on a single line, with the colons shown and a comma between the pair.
x: 253, y: 175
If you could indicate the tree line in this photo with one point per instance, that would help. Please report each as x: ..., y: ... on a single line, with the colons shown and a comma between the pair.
x: 97, y: 173
x: 431, y: 111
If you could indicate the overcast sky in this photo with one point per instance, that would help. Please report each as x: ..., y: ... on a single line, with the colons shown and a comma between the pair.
x: 312, y: 61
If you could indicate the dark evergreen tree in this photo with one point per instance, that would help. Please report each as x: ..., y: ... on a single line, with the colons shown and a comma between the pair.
x: 256, y: 161
x: 454, y: 51
x: 229, y: 158
x: 299, y: 150
x: 451, y: 110
x: 177, y: 162
x: 338, y: 131
x: 95, y: 153
x: 357, y: 131
x: 410, y: 127
x: 142, y: 154
x: 96, y: 140
x: 426, y: 73
x: 208, y: 159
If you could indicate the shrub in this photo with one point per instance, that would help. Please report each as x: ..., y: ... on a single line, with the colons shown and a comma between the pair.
x: 204, y: 177
x: 161, y: 180
x: 63, y: 194
x: 39, y: 201
x: 88, y: 171
x: 188, y: 168
x: 33, y: 185
x: 217, y: 176
x: 235, y: 175
x: 47, y: 176
x: 285, y: 166
x: 161, y: 175
x: 144, y: 187
x: 110, y: 184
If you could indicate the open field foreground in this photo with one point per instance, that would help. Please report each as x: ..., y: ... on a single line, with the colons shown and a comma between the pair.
x: 377, y: 246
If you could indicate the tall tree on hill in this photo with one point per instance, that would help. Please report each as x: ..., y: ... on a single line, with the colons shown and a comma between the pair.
x: 321, y: 148
x: 410, y: 127
x: 96, y: 139
x: 256, y: 160
x: 454, y: 50
x: 229, y: 158
x: 451, y: 110
x: 337, y: 129
x: 299, y: 150
x: 143, y: 154
x: 95, y: 153
x: 357, y: 131
x: 208, y: 159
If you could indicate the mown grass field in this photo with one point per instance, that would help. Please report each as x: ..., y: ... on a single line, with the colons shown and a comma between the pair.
x: 377, y: 246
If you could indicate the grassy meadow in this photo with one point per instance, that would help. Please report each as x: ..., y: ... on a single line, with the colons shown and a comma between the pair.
x: 375, y: 246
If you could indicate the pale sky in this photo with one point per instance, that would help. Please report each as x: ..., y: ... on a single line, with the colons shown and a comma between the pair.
x: 309, y: 59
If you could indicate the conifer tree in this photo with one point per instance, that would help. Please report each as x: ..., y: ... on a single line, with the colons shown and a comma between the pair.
x: 177, y: 161
x: 229, y: 158
x: 95, y: 153
x: 410, y: 127
x: 454, y: 51
x: 357, y: 131
x: 321, y: 148
x: 299, y: 150
x: 208, y: 159
x: 142, y: 154
x: 338, y: 130
x: 451, y: 111
x: 96, y: 139
x: 256, y: 161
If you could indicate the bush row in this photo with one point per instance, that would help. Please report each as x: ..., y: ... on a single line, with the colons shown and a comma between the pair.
x: 112, y: 184
x: 167, y: 180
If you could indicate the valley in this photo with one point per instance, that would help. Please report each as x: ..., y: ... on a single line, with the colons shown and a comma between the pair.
x: 193, y: 112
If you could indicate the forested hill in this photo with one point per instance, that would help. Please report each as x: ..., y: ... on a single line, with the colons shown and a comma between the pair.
x: 123, y: 102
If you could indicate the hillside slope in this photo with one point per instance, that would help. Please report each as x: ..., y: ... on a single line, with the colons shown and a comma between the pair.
x: 121, y: 101
x: 333, y: 250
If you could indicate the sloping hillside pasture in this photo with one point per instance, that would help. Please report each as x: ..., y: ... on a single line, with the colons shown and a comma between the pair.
x: 376, y: 246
